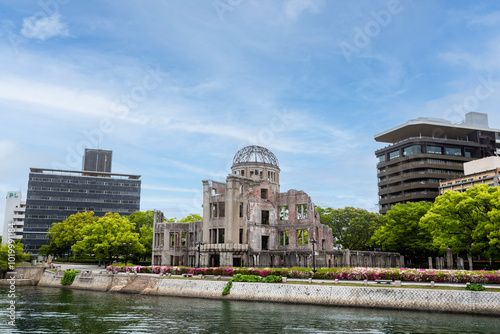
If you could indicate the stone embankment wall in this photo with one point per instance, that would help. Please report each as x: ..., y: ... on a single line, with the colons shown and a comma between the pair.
x: 24, y: 276
x: 95, y: 282
x: 468, y: 302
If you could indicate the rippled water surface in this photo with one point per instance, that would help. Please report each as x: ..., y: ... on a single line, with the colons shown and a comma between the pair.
x: 48, y: 310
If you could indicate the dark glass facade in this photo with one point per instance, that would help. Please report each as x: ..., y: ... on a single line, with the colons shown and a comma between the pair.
x: 55, y: 195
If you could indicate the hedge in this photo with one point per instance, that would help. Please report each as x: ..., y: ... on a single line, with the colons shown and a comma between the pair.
x: 403, y: 274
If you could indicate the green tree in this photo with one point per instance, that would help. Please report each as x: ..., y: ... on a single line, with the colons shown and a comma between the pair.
x: 492, y: 229
x: 352, y: 228
x: 16, y: 251
x: 193, y: 217
x: 466, y: 222
x: 402, y: 233
x: 109, y: 237
x: 65, y: 234
x: 143, y: 222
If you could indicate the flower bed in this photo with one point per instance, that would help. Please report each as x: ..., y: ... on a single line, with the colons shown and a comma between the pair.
x: 403, y: 274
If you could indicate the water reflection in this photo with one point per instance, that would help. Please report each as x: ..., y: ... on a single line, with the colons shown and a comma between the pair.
x: 46, y: 310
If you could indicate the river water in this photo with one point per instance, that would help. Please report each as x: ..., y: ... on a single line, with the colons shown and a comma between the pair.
x: 49, y: 310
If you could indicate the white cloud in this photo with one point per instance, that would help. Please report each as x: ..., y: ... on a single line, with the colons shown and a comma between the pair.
x: 43, y: 27
x: 490, y: 19
x: 54, y: 97
x: 293, y: 8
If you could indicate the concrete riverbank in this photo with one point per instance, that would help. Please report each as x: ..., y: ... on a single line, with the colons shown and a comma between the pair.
x: 467, y: 302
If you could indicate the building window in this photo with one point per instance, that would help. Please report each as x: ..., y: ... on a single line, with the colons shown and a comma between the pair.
x: 284, y: 212
x: 172, y: 239
x: 265, y: 217
x: 284, y: 239
x: 213, y: 210
x: 213, y: 235
x: 241, y: 209
x: 453, y: 151
x: 221, y: 236
x: 301, y: 211
x: 183, y: 239
x: 265, y: 242
x: 302, y: 238
x: 434, y: 150
x: 394, y: 155
x: 263, y: 193
x: 414, y: 149
x: 218, y: 210
x: 381, y: 158
x: 241, y: 235
x: 222, y: 209
x: 468, y: 154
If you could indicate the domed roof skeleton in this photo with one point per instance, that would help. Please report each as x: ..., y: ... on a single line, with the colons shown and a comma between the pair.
x: 255, y: 154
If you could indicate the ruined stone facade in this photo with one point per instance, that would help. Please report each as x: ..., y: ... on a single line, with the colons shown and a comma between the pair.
x: 248, y: 222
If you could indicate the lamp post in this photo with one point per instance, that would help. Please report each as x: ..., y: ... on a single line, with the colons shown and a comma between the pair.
x: 313, y: 241
x: 199, y: 243
x: 128, y: 244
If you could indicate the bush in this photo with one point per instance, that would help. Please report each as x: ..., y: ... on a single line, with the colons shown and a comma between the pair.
x: 475, y: 287
x: 246, y: 278
x: 69, y: 277
x: 228, y: 287
x: 358, y: 273
x: 272, y: 279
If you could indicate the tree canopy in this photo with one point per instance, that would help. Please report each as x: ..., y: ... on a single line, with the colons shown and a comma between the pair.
x: 108, y: 237
x: 193, y: 217
x: 17, y: 253
x: 402, y: 233
x: 352, y: 228
x: 144, y: 227
x: 65, y: 234
x: 467, y: 222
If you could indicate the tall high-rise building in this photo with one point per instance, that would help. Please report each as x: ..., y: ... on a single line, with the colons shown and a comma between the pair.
x: 424, y: 151
x: 14, y: 216
x: 95, y: 160
x: 54, y: 195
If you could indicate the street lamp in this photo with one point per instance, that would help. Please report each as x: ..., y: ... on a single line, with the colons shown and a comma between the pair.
x: 199, y: 243
x: 313, y: 241
x: 128, y: 244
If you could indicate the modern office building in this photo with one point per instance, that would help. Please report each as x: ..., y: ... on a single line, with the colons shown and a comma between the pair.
x: 481, y: 171
x: 13, y: 223
x: 425, y: 151
x: 96, y: 160
x: 54, y: 195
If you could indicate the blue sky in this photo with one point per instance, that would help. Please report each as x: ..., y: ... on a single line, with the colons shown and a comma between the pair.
x: 176, y: 88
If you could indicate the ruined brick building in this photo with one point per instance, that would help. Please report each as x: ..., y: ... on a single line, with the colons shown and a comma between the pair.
x: 248, y: 222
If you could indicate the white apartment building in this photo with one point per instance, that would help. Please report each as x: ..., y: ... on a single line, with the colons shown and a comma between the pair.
x: 15, y: 209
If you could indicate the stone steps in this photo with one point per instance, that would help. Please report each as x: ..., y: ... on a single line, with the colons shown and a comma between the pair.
x: 136, y: 286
